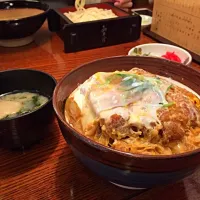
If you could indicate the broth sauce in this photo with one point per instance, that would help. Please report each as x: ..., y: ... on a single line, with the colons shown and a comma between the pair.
x: 18, y: 13
x: 19, y: 103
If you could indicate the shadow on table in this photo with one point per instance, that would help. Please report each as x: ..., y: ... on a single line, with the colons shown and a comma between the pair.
x: 16, y: 162
x: 75, y: 182
x: 40, y: 38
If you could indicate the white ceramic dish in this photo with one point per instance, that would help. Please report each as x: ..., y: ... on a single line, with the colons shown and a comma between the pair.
x: 146, y: 20
x: 157, y: 50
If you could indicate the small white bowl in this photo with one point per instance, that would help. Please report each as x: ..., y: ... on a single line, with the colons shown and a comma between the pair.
x: 146, y: 21
x: 157, y: 50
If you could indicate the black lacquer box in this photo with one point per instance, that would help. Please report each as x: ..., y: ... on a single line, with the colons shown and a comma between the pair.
x: 94, y: 34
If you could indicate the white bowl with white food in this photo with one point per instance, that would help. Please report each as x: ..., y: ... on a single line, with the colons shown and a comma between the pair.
x: 146, y: 21
x: 158, y: 50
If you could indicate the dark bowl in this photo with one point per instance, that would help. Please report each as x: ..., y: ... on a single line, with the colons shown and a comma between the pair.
x: 25, y: 130
x: 23, y: 28
x: 125, y: 169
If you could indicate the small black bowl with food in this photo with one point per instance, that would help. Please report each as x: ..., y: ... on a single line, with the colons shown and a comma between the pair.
x: 26, y: 110
x: 20, y: 20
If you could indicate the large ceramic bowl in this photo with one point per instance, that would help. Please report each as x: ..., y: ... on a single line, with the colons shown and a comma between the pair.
x: 27, y: 129
x: 125, y: 169
x: 19, y: 32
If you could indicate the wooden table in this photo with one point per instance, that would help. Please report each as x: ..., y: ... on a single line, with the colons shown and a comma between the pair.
x: 49, y: 171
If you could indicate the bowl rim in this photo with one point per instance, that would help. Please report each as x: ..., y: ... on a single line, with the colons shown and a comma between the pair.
x: 28, y: 1
x: 49, y: 99
x: 101, y: 147
x: 167, y: 45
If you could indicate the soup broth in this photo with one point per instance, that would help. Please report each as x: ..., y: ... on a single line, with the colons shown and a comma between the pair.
x: 18, y: 13
x: 15, y: 104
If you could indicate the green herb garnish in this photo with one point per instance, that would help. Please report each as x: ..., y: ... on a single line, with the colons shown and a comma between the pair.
x: 135, y: 76
x: 36, y: 100
x: 128, y: 82
x: 168, y: 105
x: 146, y: 54
x: 6, y: 117
x: 22, y: 97
x: 169, y: 87
x: 137, y: 51
x: 124, y: 77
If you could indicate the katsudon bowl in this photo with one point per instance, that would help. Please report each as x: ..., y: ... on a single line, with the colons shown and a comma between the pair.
x: 20, y: 20
x: 128, y: 170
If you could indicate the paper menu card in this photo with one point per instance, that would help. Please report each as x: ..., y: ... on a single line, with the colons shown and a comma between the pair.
x: 179, y: 22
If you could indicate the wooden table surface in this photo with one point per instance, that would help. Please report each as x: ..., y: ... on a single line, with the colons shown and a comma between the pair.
x: 49, y: 170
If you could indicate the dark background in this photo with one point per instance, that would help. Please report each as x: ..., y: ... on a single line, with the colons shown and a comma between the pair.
x: 58, y: 3
x: 62, y: 3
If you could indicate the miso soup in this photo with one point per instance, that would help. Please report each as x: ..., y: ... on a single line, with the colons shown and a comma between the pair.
x: 19, y: 103
x: 18, y: 13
